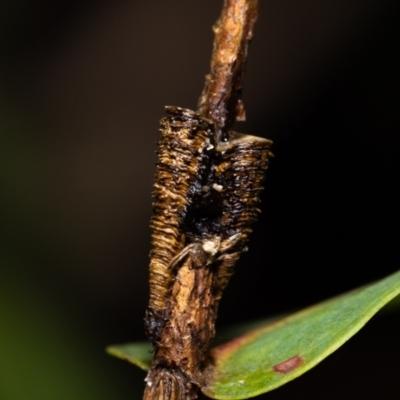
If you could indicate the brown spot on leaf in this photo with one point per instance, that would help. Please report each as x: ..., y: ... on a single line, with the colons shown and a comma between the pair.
x: 288, y: 365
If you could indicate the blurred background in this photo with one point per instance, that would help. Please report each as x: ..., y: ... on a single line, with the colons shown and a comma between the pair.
x: 82, y: 87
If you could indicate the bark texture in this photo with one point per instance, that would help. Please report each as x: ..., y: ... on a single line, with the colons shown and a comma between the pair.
x: 221, y: 97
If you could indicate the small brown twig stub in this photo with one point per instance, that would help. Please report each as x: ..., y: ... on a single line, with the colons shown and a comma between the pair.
x: 221, y: 97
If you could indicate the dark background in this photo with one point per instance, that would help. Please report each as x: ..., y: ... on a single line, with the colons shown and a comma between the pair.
x: 82, y: 87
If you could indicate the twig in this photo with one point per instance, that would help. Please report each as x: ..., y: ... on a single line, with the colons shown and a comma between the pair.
x: 221, y: 97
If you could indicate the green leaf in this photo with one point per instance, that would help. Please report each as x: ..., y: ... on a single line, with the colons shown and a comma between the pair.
x: 138, y: 353
x: 285, y: 348
x: 226, y: 334
x: 269, y: 357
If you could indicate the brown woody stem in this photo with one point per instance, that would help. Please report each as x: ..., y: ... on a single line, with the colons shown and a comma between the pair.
x: 206, y: 198
x: 221, y: 97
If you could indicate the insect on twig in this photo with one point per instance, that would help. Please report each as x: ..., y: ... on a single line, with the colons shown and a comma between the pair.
x: 207, y: 188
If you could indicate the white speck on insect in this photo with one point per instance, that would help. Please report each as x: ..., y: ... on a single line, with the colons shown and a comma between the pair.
x: 209, y: 145
x: 211, y: 246
x: 218, y: 188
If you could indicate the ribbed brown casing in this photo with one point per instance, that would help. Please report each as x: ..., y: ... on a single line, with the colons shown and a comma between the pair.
x: 182, y: 157
x: 240, y: 171
x: 206, y: 199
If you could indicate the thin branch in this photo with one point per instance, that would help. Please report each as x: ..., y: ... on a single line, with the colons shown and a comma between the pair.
x: 221, y: 97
